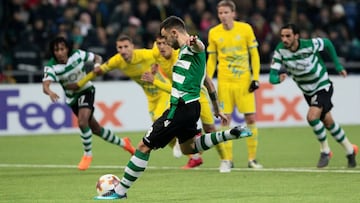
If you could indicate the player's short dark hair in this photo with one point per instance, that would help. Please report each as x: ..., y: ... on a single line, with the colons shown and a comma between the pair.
x: 292, y: 27
x: 58, y: 40
x: 173, y: 22
x: 124, y: 37
x: 227, y: 3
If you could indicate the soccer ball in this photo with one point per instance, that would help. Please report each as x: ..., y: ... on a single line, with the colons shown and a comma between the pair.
x: 106, y: 184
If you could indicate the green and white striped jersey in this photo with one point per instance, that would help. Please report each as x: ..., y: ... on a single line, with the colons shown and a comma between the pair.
x: 304, y: 65
x: 188, y: 75
x: 71, y: 72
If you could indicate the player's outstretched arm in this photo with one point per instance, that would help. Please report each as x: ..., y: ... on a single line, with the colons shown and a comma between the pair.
x: 332, y: 52
x: 214, y: 100
x: 195, y: 44
x: 275, y: 77
x: 157, y: 78
x: 46, y: 89
x: 255, y: 66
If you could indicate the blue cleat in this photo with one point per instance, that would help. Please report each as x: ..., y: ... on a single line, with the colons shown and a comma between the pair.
x: 241, y: 131
x: 113, y: 196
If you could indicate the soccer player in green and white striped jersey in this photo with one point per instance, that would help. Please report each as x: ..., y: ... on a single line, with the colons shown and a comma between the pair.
x: 67, y: 66
x: 181, y: 119
x: 302, y: 61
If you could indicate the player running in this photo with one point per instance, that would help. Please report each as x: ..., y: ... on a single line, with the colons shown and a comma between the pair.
x: 301, y: 58
x: 67, y: 66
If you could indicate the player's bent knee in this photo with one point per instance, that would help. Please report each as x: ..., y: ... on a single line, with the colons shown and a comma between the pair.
x: 143, y: 148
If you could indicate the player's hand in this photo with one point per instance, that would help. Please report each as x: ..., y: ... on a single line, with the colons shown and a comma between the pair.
x: 72, y: 86
x: 54, y: 97
x: 191, y: 40
x: 154, y: 68
x: 343, y: 73
x: 97, y: 70
x: 147, y: 77
x: 254, y: 85
x: 223, y: 117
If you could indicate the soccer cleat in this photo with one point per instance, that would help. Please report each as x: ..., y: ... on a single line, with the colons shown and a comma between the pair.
x: 113, y: 196
x: 254, y: 164
x: 85, y: 162
x: 192, y: 163
x: 241, y: 131
x: 225, y: 166
x: 177, y: 153
x: 324, y: 159
x: 128, y: 146
x: 351, y: 157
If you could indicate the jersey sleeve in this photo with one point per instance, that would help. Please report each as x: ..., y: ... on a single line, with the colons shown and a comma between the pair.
x: 332, y: 52
x: 212, y: 58
x: 211, y: 43
x: 49, y: 74
x: 251, y: 39
x: 318, y: 44
x: 86, y: 56
x: 276, y: 62
x: 162, y: 82
x: 113, y: 63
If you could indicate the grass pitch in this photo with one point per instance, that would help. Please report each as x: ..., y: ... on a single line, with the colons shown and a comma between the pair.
x: 43, y: 169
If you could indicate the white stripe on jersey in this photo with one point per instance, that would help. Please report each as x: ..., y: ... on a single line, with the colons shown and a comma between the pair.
x: 183, y: 64
x: 178, y: 78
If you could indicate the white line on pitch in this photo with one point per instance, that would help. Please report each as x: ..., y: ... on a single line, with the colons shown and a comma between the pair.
x: 298, y: 170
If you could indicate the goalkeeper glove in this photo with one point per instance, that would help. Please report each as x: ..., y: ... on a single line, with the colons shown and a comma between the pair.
x: 254, y: 85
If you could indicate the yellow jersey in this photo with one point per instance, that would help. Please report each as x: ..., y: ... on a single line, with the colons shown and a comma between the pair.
x: 166, y: 65
x: 141, y: 62
x: 232, y: 50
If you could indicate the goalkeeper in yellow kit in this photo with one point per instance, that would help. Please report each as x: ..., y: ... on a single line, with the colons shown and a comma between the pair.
x: 165, y: 57
x: 231, y: 45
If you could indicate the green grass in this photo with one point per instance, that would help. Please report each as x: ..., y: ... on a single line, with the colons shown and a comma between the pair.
x: 43, y: 169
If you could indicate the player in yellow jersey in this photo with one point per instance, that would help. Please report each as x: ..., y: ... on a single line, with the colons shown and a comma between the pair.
x: 165, y: 57
x: 231, y: 45
x: 133, y: 63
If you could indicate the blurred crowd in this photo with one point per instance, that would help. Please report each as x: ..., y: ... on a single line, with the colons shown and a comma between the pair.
x: 28, y: 25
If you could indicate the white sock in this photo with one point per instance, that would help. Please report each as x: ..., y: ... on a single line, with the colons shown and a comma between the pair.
x: 324, y: 147
x: 347, y: 146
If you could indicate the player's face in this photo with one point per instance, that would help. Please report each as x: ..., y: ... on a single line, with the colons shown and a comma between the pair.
x: 226, y: 15
x: 164, y: 49
x: 289, y: 39
x: 61, y: 53
x: 170, y: 38
x: 125, y: 49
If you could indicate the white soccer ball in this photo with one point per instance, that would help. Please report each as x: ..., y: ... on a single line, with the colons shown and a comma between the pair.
x: 106, y: 184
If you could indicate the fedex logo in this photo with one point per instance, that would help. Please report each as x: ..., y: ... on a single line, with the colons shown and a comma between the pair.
x: 33, y: 115
x: 284, y: 108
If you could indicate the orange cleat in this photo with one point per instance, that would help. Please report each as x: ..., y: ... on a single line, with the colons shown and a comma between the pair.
x: 356, y: 149
x: 192, y: 163
x: 85, y: 163
x: 128, y: 146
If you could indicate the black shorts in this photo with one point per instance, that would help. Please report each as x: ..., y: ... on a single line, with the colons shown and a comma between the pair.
x: 183, y: 126
x: 321, y: 99
x: 85, y: 100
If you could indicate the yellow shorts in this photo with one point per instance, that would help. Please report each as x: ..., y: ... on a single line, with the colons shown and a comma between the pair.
x: 233, y: 95
x: 206, y: 113
x: 156, y: 107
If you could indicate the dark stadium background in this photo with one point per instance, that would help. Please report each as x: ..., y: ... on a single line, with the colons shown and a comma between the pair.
x: 28, y: 25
